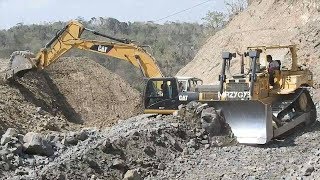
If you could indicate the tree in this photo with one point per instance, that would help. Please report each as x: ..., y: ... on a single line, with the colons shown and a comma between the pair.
x: 235, y: 7
x: 215, y: 20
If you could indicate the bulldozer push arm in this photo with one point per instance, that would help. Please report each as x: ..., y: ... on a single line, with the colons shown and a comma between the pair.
x: 70, y: 37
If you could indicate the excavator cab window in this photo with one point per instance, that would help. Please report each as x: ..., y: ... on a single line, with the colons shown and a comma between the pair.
x: 160, y: 90
x: 183, y: 85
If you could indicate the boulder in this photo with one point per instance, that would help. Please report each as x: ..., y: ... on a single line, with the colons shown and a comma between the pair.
x: 132, y: 175
x: 161, y: 166
x: 34, y: 144
x: 4, y: 166
x: 106, y: 146
x: 149, y: 151
x: 70, y: 138
x: 10, y: 133
x: 118, y: 163
x: 308, y: 170
x: 211, y: 121
x: 84, y: 134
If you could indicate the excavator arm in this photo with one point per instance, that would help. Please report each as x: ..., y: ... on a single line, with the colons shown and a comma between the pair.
x: 134, y: 54
x: 70, y: 37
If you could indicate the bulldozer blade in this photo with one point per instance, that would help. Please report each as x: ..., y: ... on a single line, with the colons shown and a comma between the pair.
x: 19, y: 62
x: 250, y: 121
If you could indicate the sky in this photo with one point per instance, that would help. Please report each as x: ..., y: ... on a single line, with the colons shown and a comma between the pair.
x: 41, y: 11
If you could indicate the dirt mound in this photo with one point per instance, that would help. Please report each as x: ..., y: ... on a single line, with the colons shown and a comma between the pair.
x: 27, y: 108
x: 73, y: 93
x: 265, y: 22
x: 97, y: 95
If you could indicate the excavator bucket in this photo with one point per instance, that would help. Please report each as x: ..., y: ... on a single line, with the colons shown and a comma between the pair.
x: 20, y: 61
x: 250, y: 121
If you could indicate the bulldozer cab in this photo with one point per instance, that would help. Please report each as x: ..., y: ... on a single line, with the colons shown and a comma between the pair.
x: 259, y: 81
x: 289, y: 75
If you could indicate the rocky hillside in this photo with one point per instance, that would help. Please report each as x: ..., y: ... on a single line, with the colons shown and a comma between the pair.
x: 264, y: 22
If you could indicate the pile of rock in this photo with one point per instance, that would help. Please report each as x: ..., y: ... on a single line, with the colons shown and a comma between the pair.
x: 18, y: 151
x: 205, y: 126
x: 139, y: 147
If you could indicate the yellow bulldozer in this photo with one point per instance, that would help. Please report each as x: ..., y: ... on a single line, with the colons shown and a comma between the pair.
x: 261, y: 105
x: 256, y: 104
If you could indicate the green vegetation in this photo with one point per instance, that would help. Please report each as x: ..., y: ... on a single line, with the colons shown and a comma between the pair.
x: 172, y: 44
x: 217, y: 20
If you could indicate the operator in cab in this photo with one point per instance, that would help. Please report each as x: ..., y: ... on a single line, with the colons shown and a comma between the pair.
x: 181, y: 87
x: 273, y: 65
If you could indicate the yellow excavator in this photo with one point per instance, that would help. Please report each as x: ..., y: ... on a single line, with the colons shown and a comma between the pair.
x: 70, y: 37
x: 256, y: 104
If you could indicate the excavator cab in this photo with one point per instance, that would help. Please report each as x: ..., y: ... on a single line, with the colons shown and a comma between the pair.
x: 161, y: 95
x: 164, y: 95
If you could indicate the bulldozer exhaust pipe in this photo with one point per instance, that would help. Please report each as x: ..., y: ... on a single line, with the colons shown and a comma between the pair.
x: 254, y: 55
x: 226, y: 56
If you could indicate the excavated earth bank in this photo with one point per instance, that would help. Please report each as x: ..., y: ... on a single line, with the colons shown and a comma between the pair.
x: 72, y: 93
x: 97, y: 95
